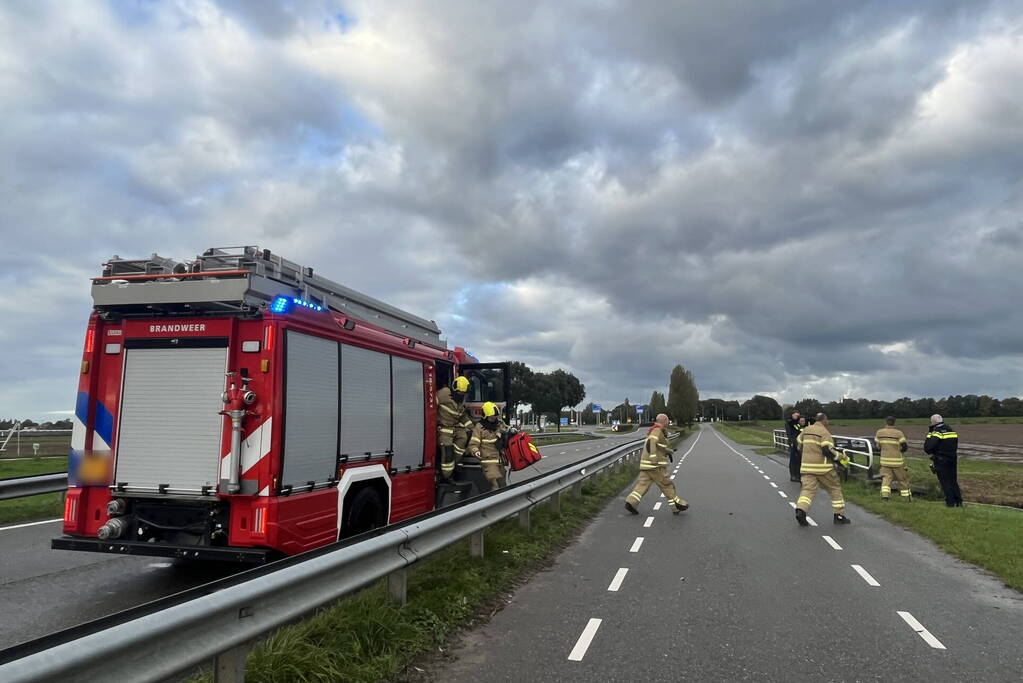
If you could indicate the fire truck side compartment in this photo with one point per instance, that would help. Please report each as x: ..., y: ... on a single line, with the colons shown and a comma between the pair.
x: 311, y: 404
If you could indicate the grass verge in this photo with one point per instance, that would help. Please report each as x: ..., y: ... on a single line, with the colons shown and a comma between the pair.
x: 566, y: 438
x: 366, y: 638
x: 749, y: 436
x: 985, y: 536
x: 31, y: 508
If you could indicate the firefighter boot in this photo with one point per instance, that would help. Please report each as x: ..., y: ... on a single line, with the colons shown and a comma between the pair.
x: 678, y: 505
x: 841, y: 519
x: 801, y: 517
x: 632, y: 510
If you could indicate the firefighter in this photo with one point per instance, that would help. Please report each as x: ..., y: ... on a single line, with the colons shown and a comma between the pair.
x: 892, y: 443
x: 942, y: 444
x: 653, y: 468
x: 486, y: 444
x: 453, y: 424
x: 792, y: 429
x: 818, y: 470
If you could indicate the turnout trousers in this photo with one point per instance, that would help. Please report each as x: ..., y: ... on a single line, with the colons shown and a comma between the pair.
x: 829, y: 482
x: 657, y: 476
x: 898, y: 475
x: 795, y: 460
x: 948, y: 477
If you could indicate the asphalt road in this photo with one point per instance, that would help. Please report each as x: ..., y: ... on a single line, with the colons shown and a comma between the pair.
x: 44, y: 590
x: 734, y: 590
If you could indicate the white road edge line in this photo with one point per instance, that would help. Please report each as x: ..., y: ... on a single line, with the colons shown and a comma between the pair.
x: 22, y: 526
x: 921, y: 631
x: 616, y: 582
x: 832, y: 542
x: 866, y: 576
x: 649, y: 521
x: 581, y: 645
x: 636, y: 544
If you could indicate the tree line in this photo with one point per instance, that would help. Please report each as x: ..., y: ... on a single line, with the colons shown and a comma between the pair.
x: 7, y: 423
x: 766, y: 408
x: 547, y: 392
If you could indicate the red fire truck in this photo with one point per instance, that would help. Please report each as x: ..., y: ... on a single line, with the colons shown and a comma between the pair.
x: 240, y: 407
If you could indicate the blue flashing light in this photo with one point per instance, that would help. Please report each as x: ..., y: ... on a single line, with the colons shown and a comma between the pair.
x: 282, y: 304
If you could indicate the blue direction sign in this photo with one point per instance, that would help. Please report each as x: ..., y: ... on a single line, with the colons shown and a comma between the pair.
x: 596, y: 408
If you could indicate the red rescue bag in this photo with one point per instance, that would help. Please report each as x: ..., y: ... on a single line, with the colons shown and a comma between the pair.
x: 521, y: 451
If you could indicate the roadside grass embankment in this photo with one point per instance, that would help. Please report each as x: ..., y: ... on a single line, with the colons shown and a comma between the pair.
x: 31, y: 508
x: 563, y: 438
x: 985, y: 536
x: 365, y: 637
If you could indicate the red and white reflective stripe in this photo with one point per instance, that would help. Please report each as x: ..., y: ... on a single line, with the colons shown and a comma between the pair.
x: 71, y: 509
x: 259, y: 526
x: 268, y: 340
x: 254, y: 448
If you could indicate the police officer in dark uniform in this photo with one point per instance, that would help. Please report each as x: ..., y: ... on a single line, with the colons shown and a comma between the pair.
x: 942, y: 444
x: 792, y: 429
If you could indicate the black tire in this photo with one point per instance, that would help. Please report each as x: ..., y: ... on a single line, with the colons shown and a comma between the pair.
x: 364, y: 513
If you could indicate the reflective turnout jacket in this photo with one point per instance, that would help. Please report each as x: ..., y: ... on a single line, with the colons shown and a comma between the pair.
x: 451, y: 414
x: 818, y: 449
x: 655, y: 449
x: 942, y: 442
x: 892, y: 443
x: 486, y: 443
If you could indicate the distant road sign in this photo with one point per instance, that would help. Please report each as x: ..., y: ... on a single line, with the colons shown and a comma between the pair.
x: 596, y: 408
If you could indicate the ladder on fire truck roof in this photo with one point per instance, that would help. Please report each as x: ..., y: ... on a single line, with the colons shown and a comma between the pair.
x: 238, y: 280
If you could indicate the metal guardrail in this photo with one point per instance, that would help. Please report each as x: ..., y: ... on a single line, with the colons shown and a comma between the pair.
x: 19, y: 487
x: 853, y: 446
x: 224, y: 624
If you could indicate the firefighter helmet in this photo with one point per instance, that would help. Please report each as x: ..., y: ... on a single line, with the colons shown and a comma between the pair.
x: 462, y: 384
x: 489, y: 409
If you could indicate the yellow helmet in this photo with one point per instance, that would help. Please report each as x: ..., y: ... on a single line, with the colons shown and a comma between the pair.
x: 489, y: 409
x: 462, y: 384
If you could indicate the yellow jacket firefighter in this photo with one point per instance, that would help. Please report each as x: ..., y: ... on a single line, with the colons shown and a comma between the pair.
x: 818, y: 449
x: 656, y: 449
x: 892, y: 443
x: 451, y: 414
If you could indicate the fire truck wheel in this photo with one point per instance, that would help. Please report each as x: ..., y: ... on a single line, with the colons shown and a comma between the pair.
x: 365, y: 513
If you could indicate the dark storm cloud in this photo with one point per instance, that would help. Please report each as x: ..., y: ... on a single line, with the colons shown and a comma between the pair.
x: 788, y: 197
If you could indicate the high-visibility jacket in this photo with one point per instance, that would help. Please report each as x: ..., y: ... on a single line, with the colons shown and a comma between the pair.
x: 450, y: 414
x: 817, y: 448
x: 892, y: 443
x: 486, y: 443
x: 655, y: 449
x: 942, y: 442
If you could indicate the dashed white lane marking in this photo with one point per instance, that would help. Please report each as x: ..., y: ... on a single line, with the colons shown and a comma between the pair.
x: 831, y: 542
x: 648, y: 522
x: 766, y: 477
x: 672, y: 477
x: 792, y: 504
x: 616, y: 582
x: 783, y: 494
x: 921, y: 631
x: 562, y: 452
x: 657, y: 506
x: 774, y: 485
x: 866, y: 576
x: 636, y: 544
x: 583, y: 644
x: 22, y: 526
x: 810, y: 520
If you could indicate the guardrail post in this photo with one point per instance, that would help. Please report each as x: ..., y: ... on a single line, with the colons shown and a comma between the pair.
x: 476, y: 544
x: 577, y: 490
x: 229, y: 666
x: 524, y: 519
x: 555, y: 503
x: 397, y: 586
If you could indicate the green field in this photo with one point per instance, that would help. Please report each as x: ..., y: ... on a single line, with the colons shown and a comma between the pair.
x: 49, y: 444
x: 25, y: 468
x: 31, y: 508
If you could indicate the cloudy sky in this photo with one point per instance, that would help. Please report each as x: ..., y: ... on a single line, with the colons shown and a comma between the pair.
x: 788, y: 197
